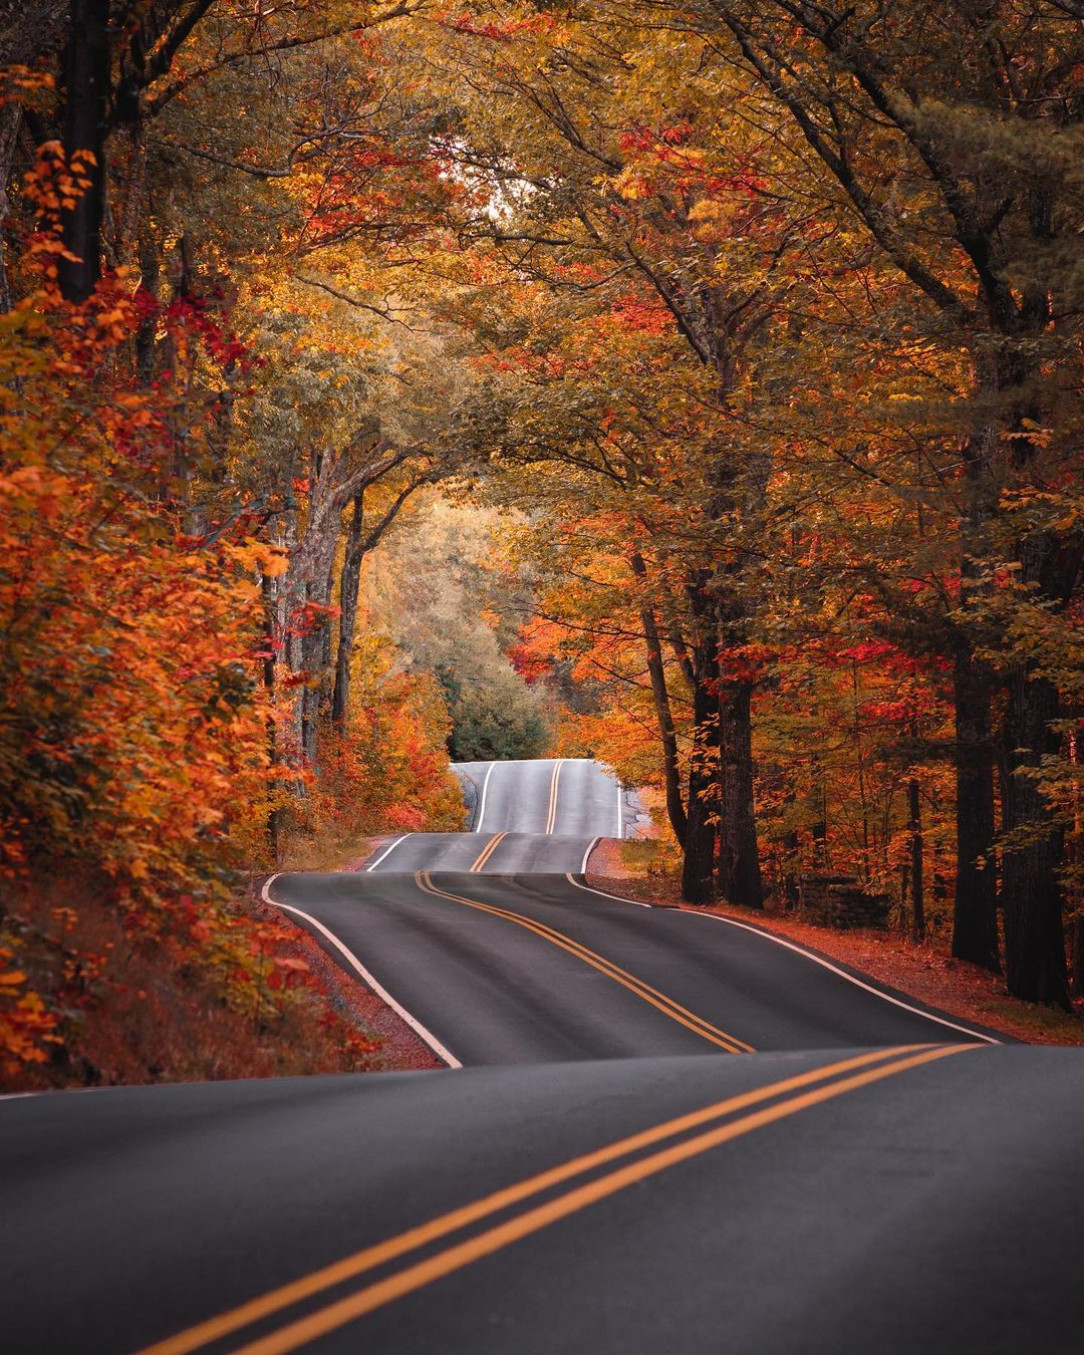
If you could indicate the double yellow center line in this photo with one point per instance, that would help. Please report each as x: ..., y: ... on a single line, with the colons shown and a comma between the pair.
x: 551, y: 818
x: 697, y: 1024
x: 551, y: 821
x: 645, y: 1154
x: 487, y: 851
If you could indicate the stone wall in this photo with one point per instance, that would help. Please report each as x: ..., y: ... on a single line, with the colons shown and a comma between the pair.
x: 840, y: 901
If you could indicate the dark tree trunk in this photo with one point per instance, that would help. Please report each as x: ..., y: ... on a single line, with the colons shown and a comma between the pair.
x: 656, y: 668
x: 914, y: 827
x: 1031, y: 888
x: 739, y: 854
x: 1076, y: 934
x: 791, y: 847
x: 702, y: 803
x: 818, y: 829
x: 349, y: 586
x: 974, y: 929
x: 270, y: 605
x: 698, y: 868
x: 675, y: 807
x: 11, y: 118
x: 87, y: 77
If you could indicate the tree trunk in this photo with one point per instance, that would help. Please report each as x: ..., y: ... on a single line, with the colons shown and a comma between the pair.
x: 1031, y: 886
x: 349, y: 586
x: 675, y: 807
x: 739, y: 854
x: 698, y: 868
x: 656, y: 668
x: 974, y: 929
x: 11, y: 117
x: 1076, y: 933
x: 87, y: 77
x: 791, y: 848
x: 914, y: 827
x: 702, y: 806
x: 268, y: 588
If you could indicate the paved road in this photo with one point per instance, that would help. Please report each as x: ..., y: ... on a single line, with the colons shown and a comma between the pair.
x: 930, y: 1208
x: 622, y: 1177
x: 538, y: 968
x: 548, y: 814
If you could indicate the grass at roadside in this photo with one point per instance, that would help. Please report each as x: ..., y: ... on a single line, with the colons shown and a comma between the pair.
x: 640, y: 870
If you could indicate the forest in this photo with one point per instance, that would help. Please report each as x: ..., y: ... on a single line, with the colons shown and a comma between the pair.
x: 697, y: 386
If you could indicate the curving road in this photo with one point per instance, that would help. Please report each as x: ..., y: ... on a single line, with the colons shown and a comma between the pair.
x: 691, y: 1136
x: 547, y: 813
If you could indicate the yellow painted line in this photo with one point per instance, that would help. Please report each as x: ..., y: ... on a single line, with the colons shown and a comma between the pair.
x: 487, y: 851
x: 667, y: 1005
x: 369, y: 1257
x: 374, y: 1296
x: 552, y: 817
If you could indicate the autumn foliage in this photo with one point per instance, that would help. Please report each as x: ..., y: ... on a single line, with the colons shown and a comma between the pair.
x: 775, y: 378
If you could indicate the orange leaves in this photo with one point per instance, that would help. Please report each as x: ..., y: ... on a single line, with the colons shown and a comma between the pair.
x: 27, y: 1029
x: 270, y: 561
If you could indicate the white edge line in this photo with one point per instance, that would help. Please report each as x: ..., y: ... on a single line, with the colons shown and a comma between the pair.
x: 381, y: 992
x: 386, y: 852
x: 602, y: 895
x: 826, y: 964
x: 586, y: 857
x: 808, y: 955
x: 485, y: 792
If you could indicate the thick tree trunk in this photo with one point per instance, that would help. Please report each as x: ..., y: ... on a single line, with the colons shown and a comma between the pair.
x: 87, y: 86
x: 739, y: 854
x: 974, y: 930
x: 1031, y: 888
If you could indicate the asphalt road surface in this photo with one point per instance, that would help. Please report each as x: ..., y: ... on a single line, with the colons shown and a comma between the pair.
x: 897, y: 1202
x: 669, y: 1133
x: 539, y: 969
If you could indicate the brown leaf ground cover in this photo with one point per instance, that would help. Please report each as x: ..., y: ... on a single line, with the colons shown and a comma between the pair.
x: 926, y: 971
x: 125, y: 1012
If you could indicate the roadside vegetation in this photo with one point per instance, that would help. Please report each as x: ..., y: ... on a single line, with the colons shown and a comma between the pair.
x: 692, y: 385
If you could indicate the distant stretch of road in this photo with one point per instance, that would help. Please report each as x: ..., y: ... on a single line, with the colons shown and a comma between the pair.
x: 660, y: 1131
x: 542, y: 817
